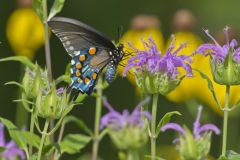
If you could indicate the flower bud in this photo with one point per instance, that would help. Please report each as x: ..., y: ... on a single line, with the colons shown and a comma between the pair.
x: 157, y: 83
x: 51, y: 104
x: 34, y: 81
x: 129, y: 137
x: 226, y: 72
x: 194, y: 148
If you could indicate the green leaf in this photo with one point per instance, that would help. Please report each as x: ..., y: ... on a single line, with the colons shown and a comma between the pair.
x: 22, y: 59
x: 31, y: 138
x: 165, y: 119
x: 79, y: 123
x: 73, y: 143
x: 80, y: 98
x: 56, y: 8
x: 16, y: 135
x: 210, y: 86
x: 63, y: 78
x: 38, y: 7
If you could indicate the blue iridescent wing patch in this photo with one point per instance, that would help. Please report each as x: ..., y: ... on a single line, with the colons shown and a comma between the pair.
x: 86, y: 65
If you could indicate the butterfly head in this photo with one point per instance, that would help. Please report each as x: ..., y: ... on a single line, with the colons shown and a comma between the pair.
x: 119, y: 52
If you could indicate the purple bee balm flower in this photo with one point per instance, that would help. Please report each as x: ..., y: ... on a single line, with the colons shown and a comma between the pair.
x: 198, y: 130
x: 117, y: 121
x: 218, y: 52
x: 11, y: 150
x: 151, y: 60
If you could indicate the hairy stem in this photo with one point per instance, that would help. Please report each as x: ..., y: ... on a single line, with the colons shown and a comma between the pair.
x: 132, y: 154
x: 44, y: 133
x: 56, y: 155
x: 47, y: 44
x: 153, y: 127
x: 31, y: 131
x: 225, y: 121
x: 99, y: 88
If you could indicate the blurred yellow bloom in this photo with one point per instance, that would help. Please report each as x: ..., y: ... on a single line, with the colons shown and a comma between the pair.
x: 185, y: 90
x: 196, y: 87
x: 135, y: 37
x: 25, y: 32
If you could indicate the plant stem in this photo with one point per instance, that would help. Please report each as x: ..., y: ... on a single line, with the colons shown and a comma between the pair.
x: 225, y: 121
x: 153, y: 127
x: 31, y: 131
x: 47, y: 44
x: 132, y: 154
x: 99, y: 88
x: 43, y: 139
x: 47, y: 53
x: 56, y: 155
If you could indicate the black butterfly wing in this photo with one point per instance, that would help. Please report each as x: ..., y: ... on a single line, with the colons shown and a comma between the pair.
x: 76, y: 35
x: 80, y: 40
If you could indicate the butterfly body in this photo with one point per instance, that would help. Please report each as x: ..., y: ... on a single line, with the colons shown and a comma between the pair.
x: 90, y: 50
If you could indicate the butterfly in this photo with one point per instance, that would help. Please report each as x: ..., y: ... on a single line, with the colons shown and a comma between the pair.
x: 90, y: 50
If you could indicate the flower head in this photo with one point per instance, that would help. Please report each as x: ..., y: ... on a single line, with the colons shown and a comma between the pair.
x: 218, y: 52
x: 160, y: 70
x: 198, y: 130
x: 118, y: 121
x: 127, y: 130
x: 11, y: 150
x: 225, y: 59
x: 199, y: 140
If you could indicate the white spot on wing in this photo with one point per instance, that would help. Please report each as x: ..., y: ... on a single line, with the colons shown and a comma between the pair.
x: 71, y: 48
x: 68, y: 43
x: 72, y: 62
x: 76, y: 53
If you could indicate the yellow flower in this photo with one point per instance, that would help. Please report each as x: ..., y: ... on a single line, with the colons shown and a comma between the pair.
x: 135, y: 37
x: 185, y: 90
x: 196, y: 87
x: 25, y: 32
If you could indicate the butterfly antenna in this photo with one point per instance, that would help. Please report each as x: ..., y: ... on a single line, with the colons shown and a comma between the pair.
x: 119, y: 33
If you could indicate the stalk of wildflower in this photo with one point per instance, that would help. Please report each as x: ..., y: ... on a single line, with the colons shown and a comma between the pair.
x: 194, y: 145
x: 156, y: 73
x: 98, y: 112
x: 11, y: 151
x: 225, y: 66
x: 51, y: 104
x: 127, y: 131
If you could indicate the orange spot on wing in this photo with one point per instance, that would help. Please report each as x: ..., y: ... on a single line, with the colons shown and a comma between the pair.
x: 86, y: 80
x: 82, y: 58
x: 92, y: 50
x: 78, y: 73
x: 78, y: 65
x: 94, y: 76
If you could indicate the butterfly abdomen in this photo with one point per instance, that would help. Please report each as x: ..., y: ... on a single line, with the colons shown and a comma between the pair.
x: 110, y: 73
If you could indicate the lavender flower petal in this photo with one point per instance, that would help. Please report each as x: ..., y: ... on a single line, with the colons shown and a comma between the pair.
x: 209, y: 127
x: 116, y: 120
x: 196, y: 125
x: 173, y: 126
x: 236, y: 55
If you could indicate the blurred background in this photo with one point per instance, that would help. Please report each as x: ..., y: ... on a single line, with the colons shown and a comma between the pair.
x: 21, y: 33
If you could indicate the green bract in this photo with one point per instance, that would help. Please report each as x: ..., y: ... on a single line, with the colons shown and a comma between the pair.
x: 227, y: 72
x: 33, y: 81
x: 191, y: 148
x: 49, y: 104
x: 129, y: 137
x: 157, y: 83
